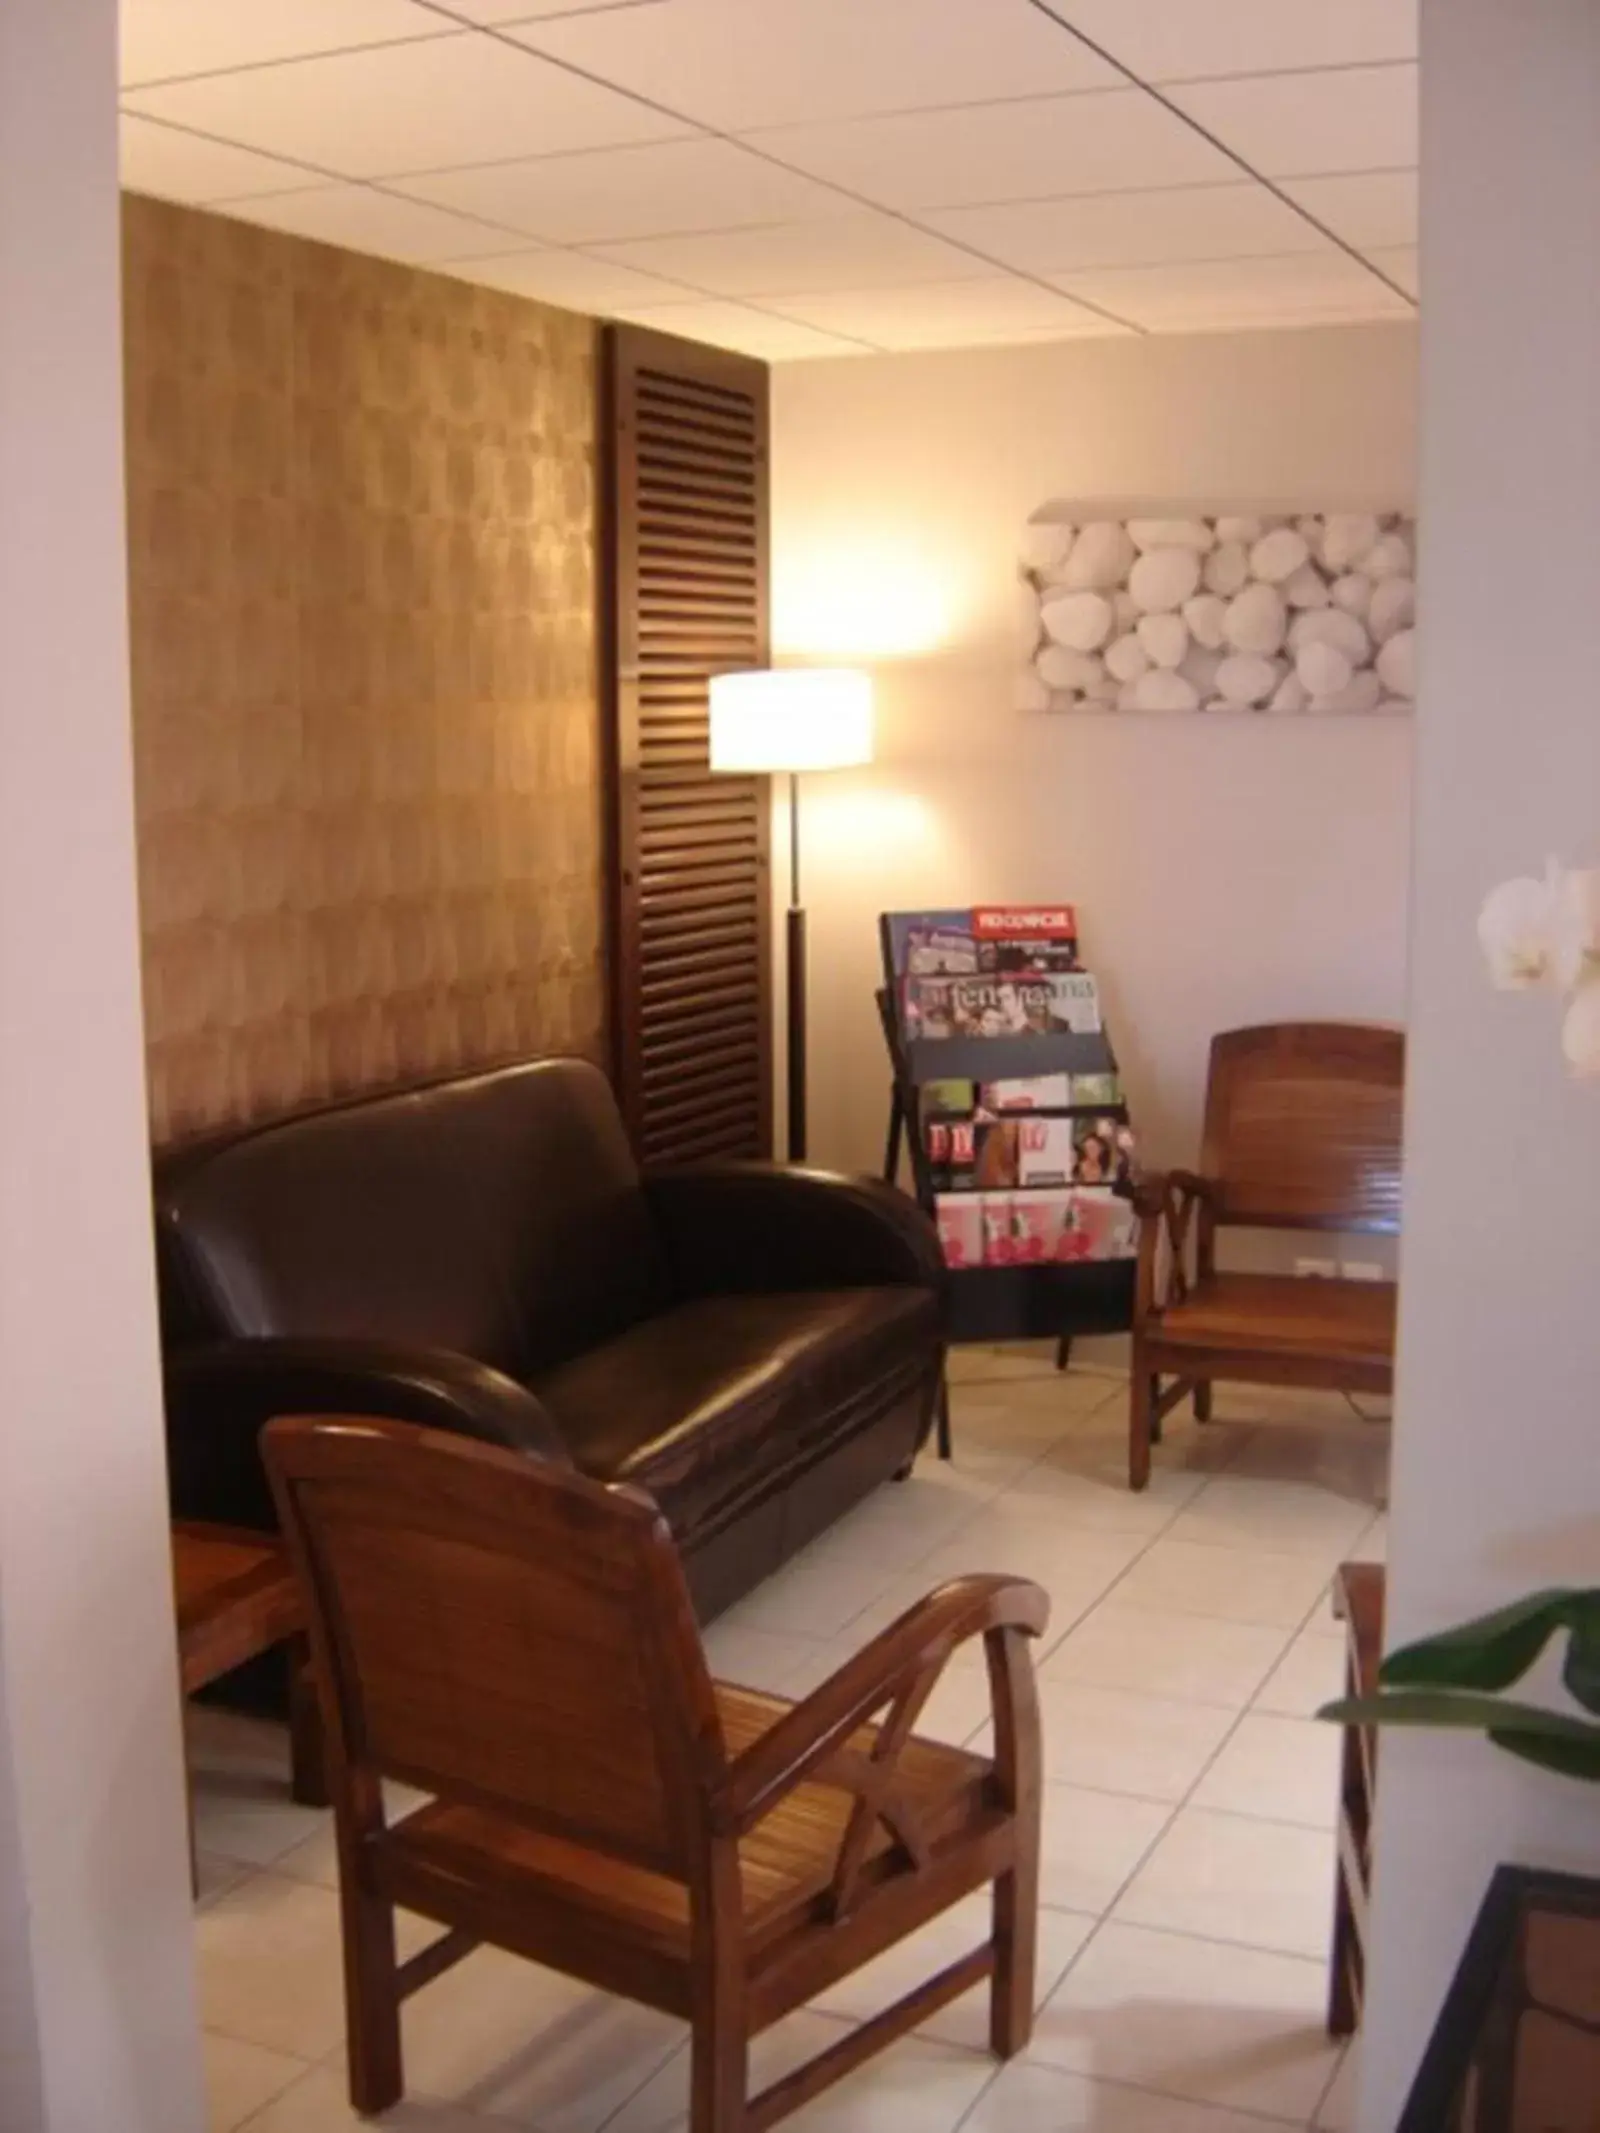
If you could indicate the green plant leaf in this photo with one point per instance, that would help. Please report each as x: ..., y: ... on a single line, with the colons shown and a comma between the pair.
x: 1581, y: 1672
x: 1467, y: 1712
x: 1569, y: 1757
x: 1490, y: 1652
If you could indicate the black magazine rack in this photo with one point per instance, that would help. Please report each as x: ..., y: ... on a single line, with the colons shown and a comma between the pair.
x: 1054, y: 1301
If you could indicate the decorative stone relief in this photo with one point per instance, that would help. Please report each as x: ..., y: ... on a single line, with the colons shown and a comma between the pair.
x: 1272, y: 614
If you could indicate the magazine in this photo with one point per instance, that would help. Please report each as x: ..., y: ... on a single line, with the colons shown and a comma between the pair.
x: 1000, y: 1007
x: 1039, y: 1092
x: 1103, y: 1151
x: 930, y: 943
x: 990, y: 939
x: 1047, y: 1151
x: 1051, y: 1227
x: 955, y: 1098
x: 1012, y: 937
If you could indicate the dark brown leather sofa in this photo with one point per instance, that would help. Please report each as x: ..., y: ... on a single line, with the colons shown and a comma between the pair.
x: 757, y: 1347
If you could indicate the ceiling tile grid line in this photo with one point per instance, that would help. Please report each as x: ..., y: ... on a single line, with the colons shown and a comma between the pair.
x: 1102, y: 205
x: 862, y: 200
x: 179, y: 40
x: 1171, y: 104
x: 444, y: 29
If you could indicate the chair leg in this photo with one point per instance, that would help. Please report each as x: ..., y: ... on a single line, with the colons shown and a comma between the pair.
x: 1064, y: 1351
x: 1016, y: 1937
x: 718, y: 2074
x: 942, y: 1417
x: 1202, y: 1401
x: 1141, y: 1427
x: 308, y: 1779
x: 372, y: 1998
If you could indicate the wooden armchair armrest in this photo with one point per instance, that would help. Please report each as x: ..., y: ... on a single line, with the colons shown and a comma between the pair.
x: 1166, y: 1203
x: 898, y: 1668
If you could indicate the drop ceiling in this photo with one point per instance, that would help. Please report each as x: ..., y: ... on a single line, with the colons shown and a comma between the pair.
x: 815, y: 177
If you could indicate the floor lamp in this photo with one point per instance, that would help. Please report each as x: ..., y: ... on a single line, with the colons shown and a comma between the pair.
x: 792, y: 719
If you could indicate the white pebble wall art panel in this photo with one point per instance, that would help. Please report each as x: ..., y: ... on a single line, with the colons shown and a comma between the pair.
x: 1264, y: 613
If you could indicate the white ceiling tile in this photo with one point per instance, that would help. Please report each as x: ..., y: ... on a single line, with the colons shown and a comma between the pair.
x: 1294, y: 125
x: 1130, y: 229
x: 665, y: 188
x: 755, y: 333
x: 1030, y: 149
x: 856, y: 251
x: 363, y: 220
x: 1177, y: 40
x: 175, y: 165
x: 575, y: 279
x: 1366, y: 208
x: 1208, y: 294
x: 1399, y: 262
x: 947, y: 314
x: 165, y: 39
x: 737, y: 64
x: 494, y: 13
x: 408, y: 107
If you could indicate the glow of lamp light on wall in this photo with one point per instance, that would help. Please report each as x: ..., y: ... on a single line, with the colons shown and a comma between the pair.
x: 855, y: 601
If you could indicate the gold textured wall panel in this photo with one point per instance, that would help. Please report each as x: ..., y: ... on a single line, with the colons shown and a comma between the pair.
x: 366, y: 725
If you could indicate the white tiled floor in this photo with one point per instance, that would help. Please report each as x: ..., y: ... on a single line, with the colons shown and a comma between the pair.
x: 1188, y: 1852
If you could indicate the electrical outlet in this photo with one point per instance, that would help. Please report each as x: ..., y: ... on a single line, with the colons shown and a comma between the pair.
x: 1318, y: 1269
x: 1361, y: 1270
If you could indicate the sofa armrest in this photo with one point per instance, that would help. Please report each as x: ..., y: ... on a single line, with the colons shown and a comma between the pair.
x: 747, y: 1227
x: 220, y: 1395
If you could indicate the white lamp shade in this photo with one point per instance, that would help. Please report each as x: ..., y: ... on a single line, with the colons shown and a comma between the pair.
x: 791, y: 718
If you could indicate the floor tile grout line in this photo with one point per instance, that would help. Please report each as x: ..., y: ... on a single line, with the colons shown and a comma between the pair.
x: 1315, y: 2120
x: 1268, y: 2122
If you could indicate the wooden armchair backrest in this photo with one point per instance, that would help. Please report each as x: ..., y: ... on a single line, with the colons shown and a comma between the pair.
x: 1302, y: 1126
x: 501, y: 1633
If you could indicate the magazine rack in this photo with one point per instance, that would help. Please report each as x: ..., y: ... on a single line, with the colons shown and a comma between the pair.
x: 1055, y: 1301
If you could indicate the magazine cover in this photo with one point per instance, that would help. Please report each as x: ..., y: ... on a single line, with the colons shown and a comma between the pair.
x: 990, y: 939
x: 1000, y: 1006
x: 952, y: 1097
x: 1047, y: 1151
x: 1103, y: 1151
x: 930, y: 943
x: 1052, y: 1227
x: 1039, y: 1092
x: 996, y: 1161
x: 952, y: 1153
x: 1019, y: 937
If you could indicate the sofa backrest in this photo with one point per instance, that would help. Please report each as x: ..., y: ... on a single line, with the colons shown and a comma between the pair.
x: 499, y: 1215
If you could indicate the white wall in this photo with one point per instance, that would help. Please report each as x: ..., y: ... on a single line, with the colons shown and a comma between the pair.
x: 1227, y: 870
x: 1497, y: 1449
x: 97, y: 2015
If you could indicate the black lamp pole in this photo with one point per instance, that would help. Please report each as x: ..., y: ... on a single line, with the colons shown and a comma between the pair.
x: 795, y: 960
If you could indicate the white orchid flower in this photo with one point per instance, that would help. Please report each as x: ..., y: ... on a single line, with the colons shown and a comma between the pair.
x: 1580, y: 1029
x: 1534, y: 932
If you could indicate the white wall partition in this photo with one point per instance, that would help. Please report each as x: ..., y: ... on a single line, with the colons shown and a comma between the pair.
x: 1497, y: 1466
x: 97, y: 2017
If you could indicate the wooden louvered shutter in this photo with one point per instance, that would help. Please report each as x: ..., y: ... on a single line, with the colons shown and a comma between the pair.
x: 685, y: 533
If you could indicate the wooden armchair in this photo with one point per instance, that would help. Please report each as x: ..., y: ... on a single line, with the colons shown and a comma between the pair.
x: 517, y: 1640
x: 1302, y: 1132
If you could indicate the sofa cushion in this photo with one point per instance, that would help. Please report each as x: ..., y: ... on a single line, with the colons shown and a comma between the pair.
x: 499, y: 1215
x: 716, y: 1403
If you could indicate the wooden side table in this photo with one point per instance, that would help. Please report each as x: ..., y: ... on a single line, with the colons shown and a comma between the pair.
x: 1357, y: 1596
x: 236, y: 1598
